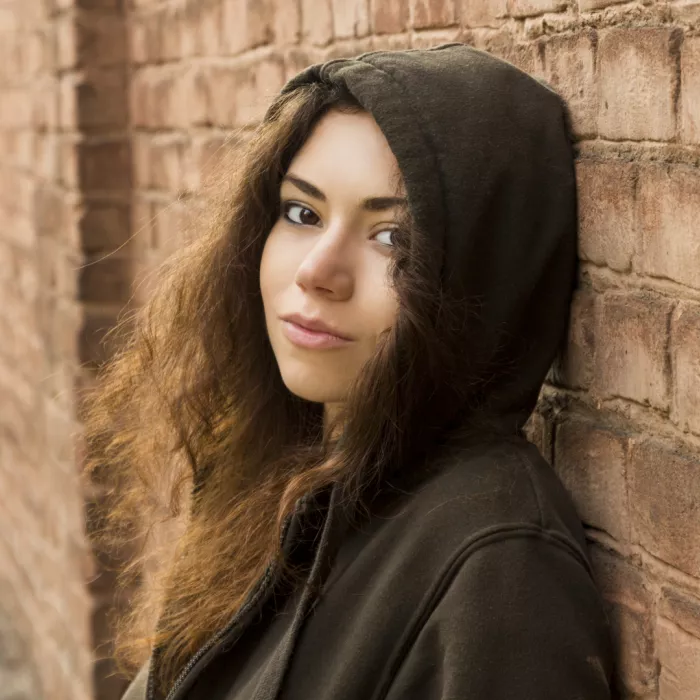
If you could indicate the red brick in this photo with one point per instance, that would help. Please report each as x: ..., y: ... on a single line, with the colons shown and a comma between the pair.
x: 317, y: 21
x: 169, y: 24
x: 679, y: 661
x: 483, y: 13
x: 665, y: 509
x: 432, y: 13
x: 528, y: 8
x: 629, y: 605
x: 350, y: 18
x: 389, y: 16
x: 569, y: 66
x: 19, y: 108
x: 163, y: 105
x: 245, y: 24
x: 197, y: 87
x: 297, y: 58
x: 139, y: 45
x: 211, y: 38
x: 100, y: 40
x: 690, y: 90
x: 44, y: 108
x: 239, y: 95
x: 36, y: 56
x: 631, y: 360
x: 185, y: 42
x: 141, y: 157
x: 59, y: 280
x: 141, y: 98
x: 586, y: 5
x: 105, y: 279
x: 68, y: 115
x: 607, y: 231
x: 668, y: 220
x: 423, y: 39
x: 685, y: 357
x: 154, y: 37
x: 105, y: 166
x: 142, y: 228
x: 349, y: 48
x: 577, y: 365
x: 166, y: 154
x: 682, y: 609
x: 505, y: 46
x: 104, y: 227
x: 214, y: 95
x: 101, y: 100
x: 66, y: 42
x: 103, y: 4
x: 591, y: 463
x: 637, y: 84
x: 48, y: 208
x: 286, y: 26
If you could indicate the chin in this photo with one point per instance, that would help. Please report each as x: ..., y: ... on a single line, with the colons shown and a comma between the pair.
x: 317, y: 389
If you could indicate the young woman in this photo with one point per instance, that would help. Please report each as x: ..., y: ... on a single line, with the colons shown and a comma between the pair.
x: 342, y: 367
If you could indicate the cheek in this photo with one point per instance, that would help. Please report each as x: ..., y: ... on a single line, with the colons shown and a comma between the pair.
x: 274, y: 269
x: 381, y: 302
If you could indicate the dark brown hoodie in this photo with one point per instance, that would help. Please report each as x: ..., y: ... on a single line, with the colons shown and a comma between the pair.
x: 470, y: 579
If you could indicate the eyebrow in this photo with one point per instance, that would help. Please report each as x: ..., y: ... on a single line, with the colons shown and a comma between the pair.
x: 369, y: 204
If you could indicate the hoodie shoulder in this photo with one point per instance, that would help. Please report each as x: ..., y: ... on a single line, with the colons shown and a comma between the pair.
x: 508, y: 487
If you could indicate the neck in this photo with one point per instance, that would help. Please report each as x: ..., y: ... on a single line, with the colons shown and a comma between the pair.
x: 330, y: 413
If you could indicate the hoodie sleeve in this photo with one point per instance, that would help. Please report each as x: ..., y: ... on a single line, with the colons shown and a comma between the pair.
x: 521, y: 618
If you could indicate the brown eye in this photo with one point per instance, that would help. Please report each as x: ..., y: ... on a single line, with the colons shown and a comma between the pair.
x: 300, y: 215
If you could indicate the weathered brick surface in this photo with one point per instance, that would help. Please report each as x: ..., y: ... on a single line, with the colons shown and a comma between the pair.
x: 317, y: 21
x: 569, y: 66
x: 528, y: 8
x: 690, y: 90
x: 350, y: 18
x: 588, y: 5
x: 592, y: 463
x: 112, y: 117
x: 678, y: 659
x: 483, y: 14
x: 389, y: 16
x: 607, y: 232
x: 670, y: 238
x: 685, y: 349
x: 629, y: 598
x: 631, y: 358
x: 577, y: 363
x: 663, y: 493
x: 44, y: 624
x: 432, y: 13
x: 638, y: 83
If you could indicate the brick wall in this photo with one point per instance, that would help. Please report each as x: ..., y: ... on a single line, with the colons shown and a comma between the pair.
x: 110, y: 118
x: 44, y: 605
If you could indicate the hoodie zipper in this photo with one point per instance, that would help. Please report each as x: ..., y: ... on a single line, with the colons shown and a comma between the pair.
x: 212, y: 641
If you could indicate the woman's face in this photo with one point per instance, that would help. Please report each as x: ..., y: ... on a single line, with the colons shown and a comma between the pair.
x: 326, y: 260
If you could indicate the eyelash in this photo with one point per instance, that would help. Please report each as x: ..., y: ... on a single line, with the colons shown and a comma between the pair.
x: 285, y: 213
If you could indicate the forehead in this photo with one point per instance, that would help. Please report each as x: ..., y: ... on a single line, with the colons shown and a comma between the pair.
x: 348, y: 151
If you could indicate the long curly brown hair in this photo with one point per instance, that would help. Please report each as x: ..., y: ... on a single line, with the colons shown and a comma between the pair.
x: 190, y: 422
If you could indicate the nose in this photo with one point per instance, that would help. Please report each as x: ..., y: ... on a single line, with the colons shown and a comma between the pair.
x: 327, y: 268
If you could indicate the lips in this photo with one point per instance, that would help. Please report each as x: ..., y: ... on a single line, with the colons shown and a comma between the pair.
x: 298, y: 331
x: 315, y: 325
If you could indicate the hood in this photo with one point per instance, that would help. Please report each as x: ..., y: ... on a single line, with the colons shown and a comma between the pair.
x: 487, y: 158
